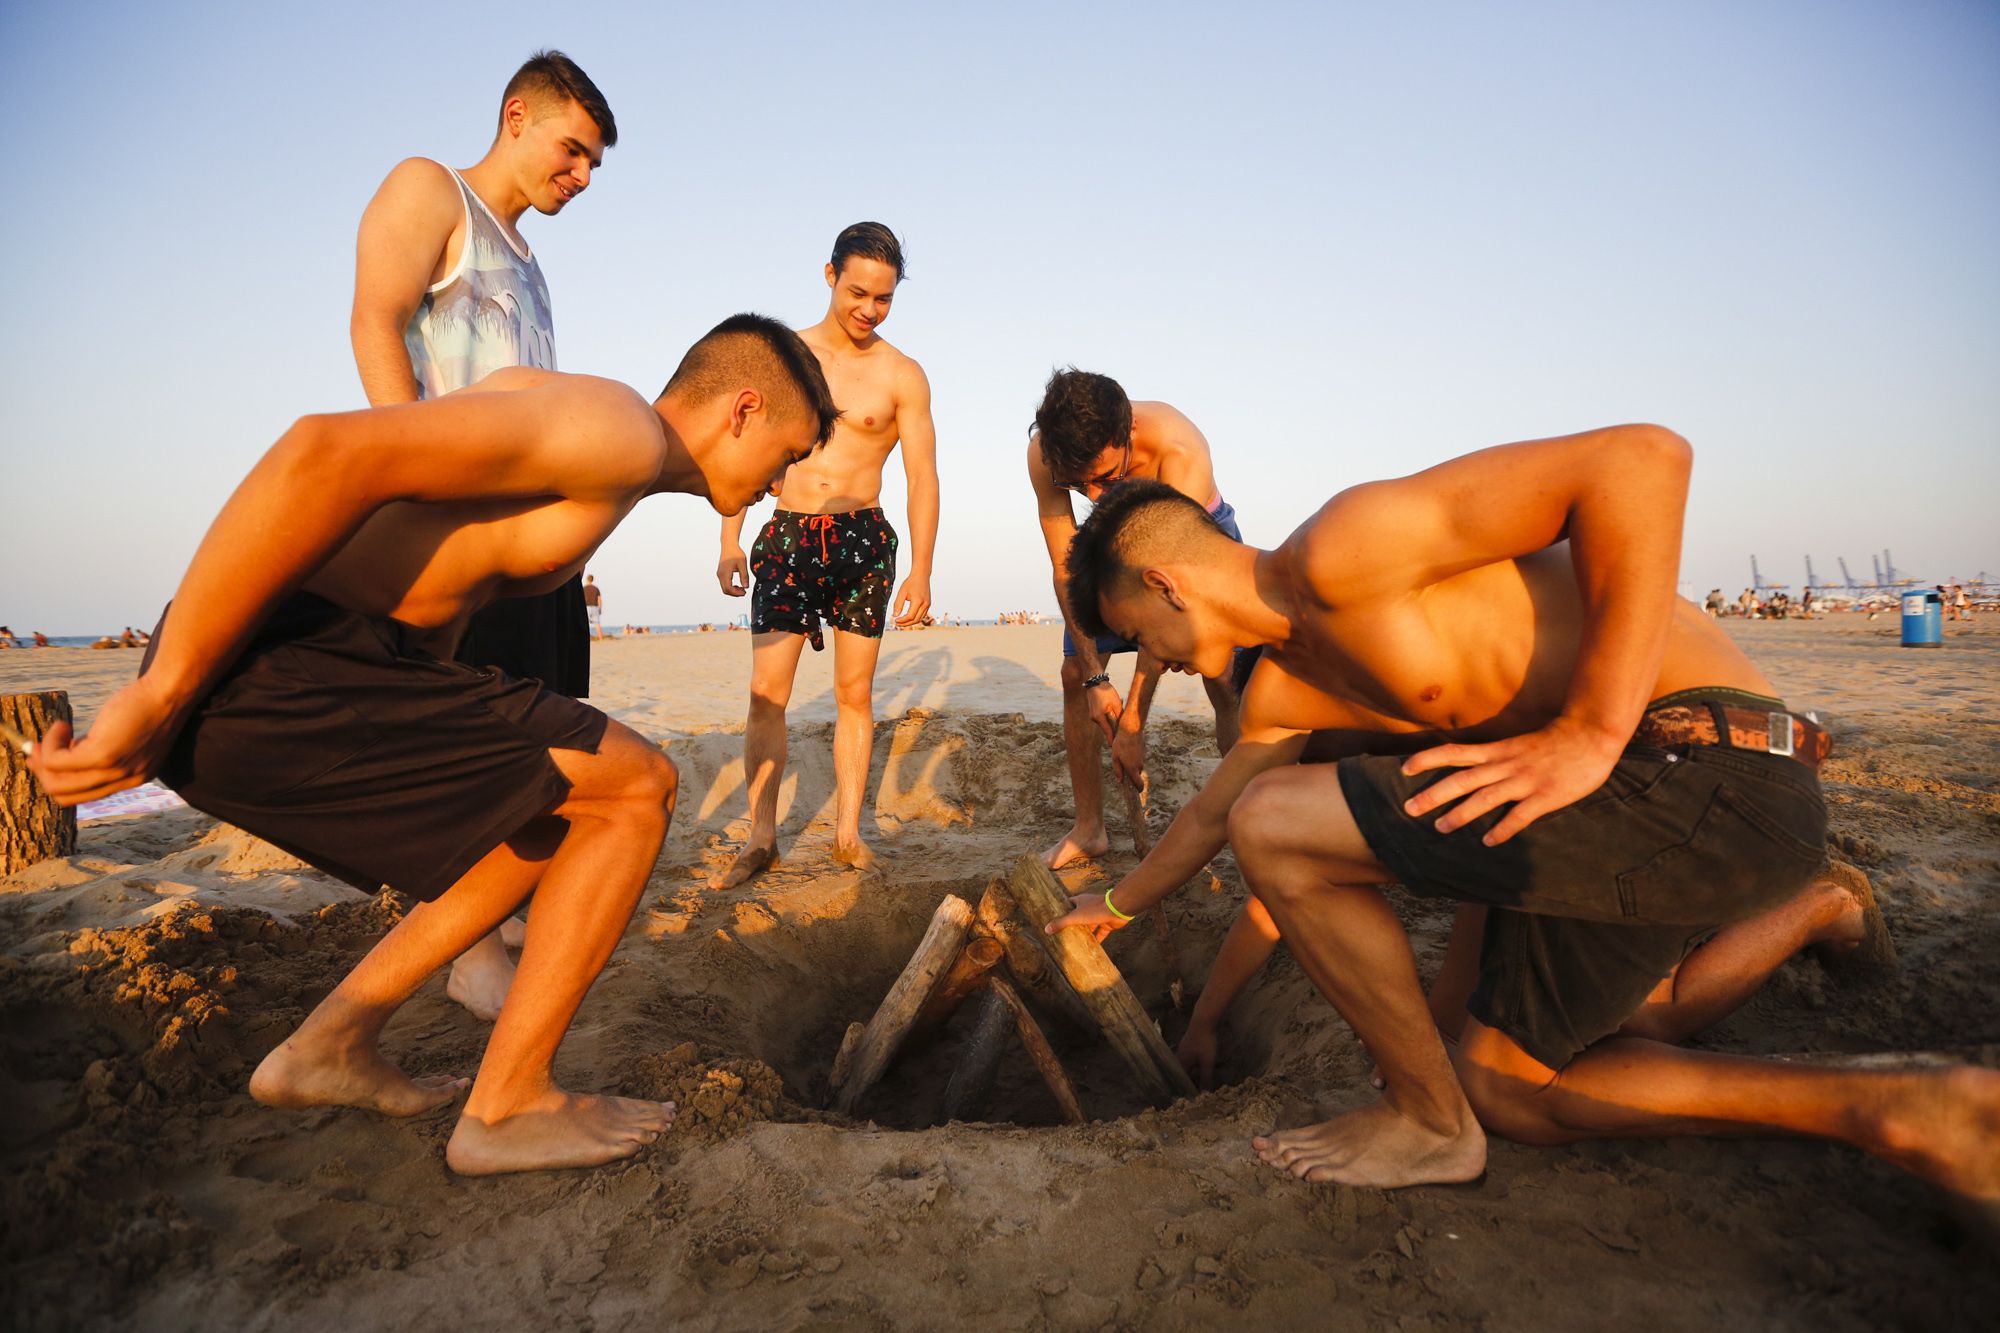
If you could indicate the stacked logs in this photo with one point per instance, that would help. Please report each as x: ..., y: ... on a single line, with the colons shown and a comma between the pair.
x: 1000, y: 950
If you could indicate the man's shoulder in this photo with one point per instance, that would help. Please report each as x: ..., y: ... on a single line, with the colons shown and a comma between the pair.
x: 420, y: 182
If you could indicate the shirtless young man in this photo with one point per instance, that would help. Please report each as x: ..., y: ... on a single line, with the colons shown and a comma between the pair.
x: 1087, y: 436
x: 446, y: 291
x: 1525, y: 725
x: 828, y: 553
x: 292, y: 690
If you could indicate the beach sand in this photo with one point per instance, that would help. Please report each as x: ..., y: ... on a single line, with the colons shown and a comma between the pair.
x: 141, y: 980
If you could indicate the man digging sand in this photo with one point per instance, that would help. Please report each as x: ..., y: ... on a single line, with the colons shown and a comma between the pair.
x: 300, y: 686
x: 1524, y: 716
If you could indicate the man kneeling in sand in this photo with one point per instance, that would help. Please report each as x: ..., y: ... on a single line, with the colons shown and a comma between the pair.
x: 1541, y: 728
x: 300, y: 687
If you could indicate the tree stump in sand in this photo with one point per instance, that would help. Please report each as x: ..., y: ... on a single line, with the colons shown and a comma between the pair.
x: 32, y: 827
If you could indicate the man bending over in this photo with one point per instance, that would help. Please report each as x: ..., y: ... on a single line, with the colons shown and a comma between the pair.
x: 829, y: 554
x: 300, y: 686
x: 1088, y: 436
x: 1525, y: 717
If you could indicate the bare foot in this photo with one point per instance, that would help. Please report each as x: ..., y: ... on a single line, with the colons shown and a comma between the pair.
x: 1380, y: 1147
x: 513, y: 932
x: 560, y: 1129
x: 1856, y: 942
x: 303, y: 1072
x: 751, y: 862
x: 1076, y: 845
x: 856, y: 854
x: 481, y: 976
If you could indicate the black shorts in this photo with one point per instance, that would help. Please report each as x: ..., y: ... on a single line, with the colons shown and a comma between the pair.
x: 840, y: 568
x: 545, y: 637
x: 378, y: 763
x: 1597, y: 902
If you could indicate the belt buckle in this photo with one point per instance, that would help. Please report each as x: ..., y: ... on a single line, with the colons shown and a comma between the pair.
x: 1778, y: 734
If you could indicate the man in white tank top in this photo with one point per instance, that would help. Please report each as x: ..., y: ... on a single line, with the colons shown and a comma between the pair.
x: 446, y: 292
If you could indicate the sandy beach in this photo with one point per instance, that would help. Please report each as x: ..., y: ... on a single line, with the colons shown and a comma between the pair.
x: 142, y: 978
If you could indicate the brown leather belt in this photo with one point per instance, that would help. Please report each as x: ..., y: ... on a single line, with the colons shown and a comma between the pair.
x: 1737, y: 728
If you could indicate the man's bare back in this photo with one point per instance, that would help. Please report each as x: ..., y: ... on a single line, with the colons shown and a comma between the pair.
x: 430, y: 564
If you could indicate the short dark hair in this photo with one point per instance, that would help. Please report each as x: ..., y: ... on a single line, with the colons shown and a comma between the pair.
x: 551, y: 74
x: 1135, y: 522
x: 1081, y: 415
x: 756, y: 351
x: 868, y: 240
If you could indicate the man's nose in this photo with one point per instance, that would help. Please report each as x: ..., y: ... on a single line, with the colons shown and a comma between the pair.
x: 582, y: 173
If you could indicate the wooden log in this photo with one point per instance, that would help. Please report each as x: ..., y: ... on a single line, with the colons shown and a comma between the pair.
x: 893, y: 1019
x: 32, y: 827
x: 971, y: 1083
x: 1040, y: 1051
x: 843, y: 1060
x: 1098, y: 984
x: 1027, y: 956
x: 979, y: 956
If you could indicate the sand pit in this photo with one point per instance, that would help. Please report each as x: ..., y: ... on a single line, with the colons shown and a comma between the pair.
x: 141, y: 979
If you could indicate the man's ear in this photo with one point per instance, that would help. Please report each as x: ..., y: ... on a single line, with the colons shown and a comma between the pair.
x: 1163, y: 583
x: 832, y: 275
x: 514, y: 116
x: 747, y: 402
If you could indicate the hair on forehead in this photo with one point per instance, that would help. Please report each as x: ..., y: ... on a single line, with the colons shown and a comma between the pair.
x: 751, y: 351
x: 868, y: 240
x: 1082, y: 414
x: 552, y: 77
x: 1136, y: 525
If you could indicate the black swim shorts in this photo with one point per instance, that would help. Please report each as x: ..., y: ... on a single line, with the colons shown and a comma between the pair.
x: 545, y: 637
x: 839, y: 568
x: 1596, y: 903
x: 336, y: 740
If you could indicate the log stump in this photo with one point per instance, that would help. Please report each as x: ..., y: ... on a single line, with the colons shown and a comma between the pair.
x: 32, y: 827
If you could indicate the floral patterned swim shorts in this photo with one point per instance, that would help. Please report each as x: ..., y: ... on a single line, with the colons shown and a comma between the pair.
x: 839, y: 568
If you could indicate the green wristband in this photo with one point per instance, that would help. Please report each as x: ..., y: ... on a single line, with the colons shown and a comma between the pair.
x: 1112, y: 907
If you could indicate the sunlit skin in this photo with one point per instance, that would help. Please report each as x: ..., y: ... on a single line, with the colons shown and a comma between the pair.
x: 884, y: 401
x: 1503, y: 617
x: 423, y: 512
x: 1163, y: 446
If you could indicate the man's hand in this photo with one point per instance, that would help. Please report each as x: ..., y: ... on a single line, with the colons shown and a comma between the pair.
x: 734, y: 572
x: 1538, y: 772
x: 1128, y: 753
x: 126, y: 744
x: 1087, y: 910
x: 1105, y: 707
x: 913, y: 599
x: 1197, y: 1053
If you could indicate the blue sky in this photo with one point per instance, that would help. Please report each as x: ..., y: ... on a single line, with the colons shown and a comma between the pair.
x: 1349, y: 240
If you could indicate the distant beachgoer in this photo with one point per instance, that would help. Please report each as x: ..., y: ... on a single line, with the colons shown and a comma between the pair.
x: 41, y: 639
x: 445, y: 292
x: 1515, y: 712
x: 1961, y: 601
x: 1087, y: 437
x: 7, y: 638
x: 829, y: 554
x: 328, y: 590
x: 1715, y: 603
x: 593, y: 605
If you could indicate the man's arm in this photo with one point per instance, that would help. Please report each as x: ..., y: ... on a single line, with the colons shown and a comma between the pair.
x: 1128, y: 740
x: 1618, y: 496
x: 733, y: 570
x: 307, y: 496
x: 919, y: 434
x: 404, y: 232
x: 1058, y: 522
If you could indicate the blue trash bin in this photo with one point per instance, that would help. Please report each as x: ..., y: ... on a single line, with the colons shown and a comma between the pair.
x: 1923, y: 619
